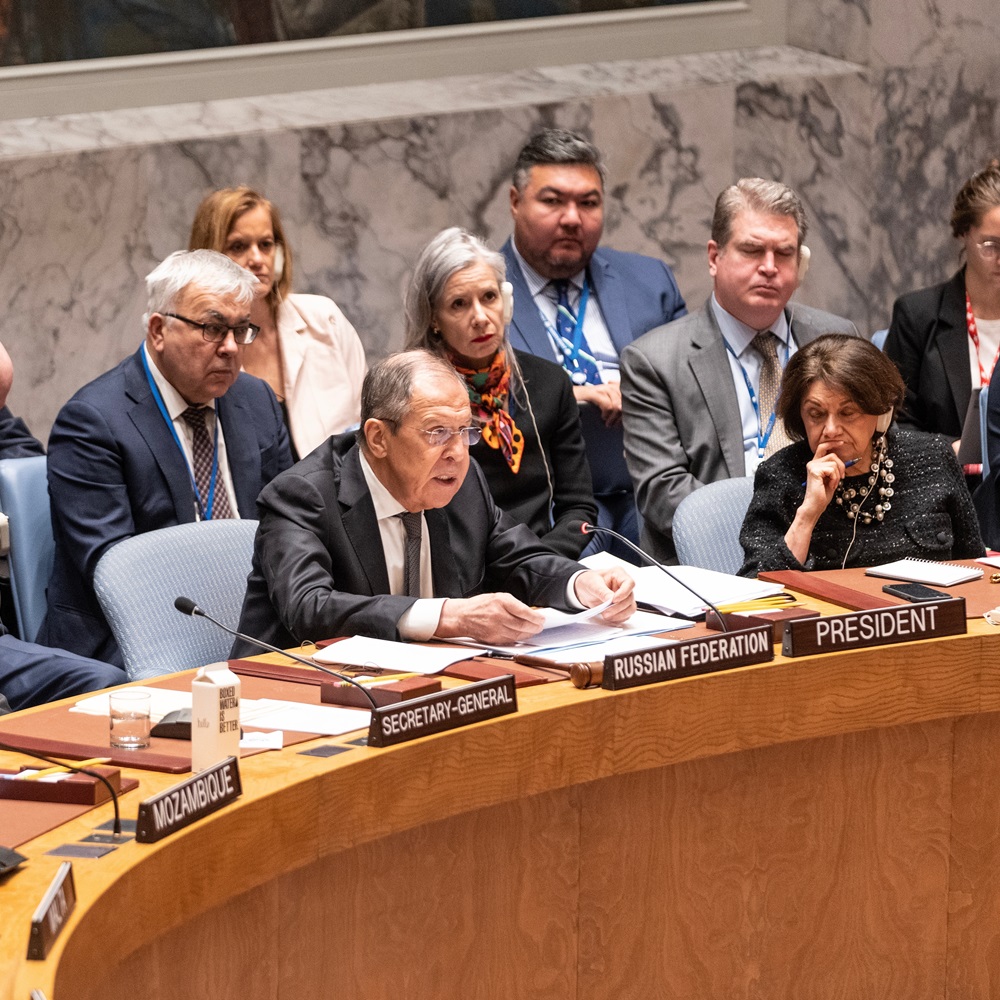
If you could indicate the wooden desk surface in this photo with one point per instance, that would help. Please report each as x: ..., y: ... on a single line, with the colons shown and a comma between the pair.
x: 817, y: 827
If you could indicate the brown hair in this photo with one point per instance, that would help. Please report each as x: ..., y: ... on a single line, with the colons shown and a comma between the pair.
x: 756, y: 195
x: 851, y: 365
x: 216, y: 216
x: 978, y: 195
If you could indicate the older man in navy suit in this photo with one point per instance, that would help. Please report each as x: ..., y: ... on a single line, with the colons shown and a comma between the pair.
x: 174, y: 434
x: 579, y: 303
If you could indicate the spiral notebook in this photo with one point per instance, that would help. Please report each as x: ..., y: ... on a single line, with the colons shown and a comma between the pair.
x: 927, y: 571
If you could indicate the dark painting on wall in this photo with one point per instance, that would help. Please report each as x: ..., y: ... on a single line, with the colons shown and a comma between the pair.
x: 40, y: 31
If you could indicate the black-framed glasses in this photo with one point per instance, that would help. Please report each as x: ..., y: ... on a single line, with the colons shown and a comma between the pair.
x: 438, y: 437
x: 216, y: 333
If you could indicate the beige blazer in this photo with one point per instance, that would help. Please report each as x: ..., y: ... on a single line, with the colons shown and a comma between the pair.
x: 324, y: 364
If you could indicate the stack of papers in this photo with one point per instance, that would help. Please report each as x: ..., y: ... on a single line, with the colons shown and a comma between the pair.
x: 657, y: 590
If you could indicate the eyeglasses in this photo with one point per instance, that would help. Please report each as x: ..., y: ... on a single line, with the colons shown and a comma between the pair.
x: 216, y: 333
x: 440, y: 436
x: 989, y: 250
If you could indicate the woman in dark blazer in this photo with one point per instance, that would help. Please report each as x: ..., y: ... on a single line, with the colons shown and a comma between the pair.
x: 458, y: 305
x: 944, y: 339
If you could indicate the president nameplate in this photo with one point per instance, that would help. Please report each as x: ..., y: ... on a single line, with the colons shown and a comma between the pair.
x: 688, y: 658
x: 877, y: 627
x: 436, y: 713
x: 188, y: 801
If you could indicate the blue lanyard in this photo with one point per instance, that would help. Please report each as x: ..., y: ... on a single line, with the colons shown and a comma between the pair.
x: 204, y: 511
x: 763, y: 436
x: 570, y: 350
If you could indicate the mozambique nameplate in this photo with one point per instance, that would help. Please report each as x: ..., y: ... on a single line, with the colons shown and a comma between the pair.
x: 189, y: 800
x: 688, y: 658
x: 52, y: 912
x: 879, y: 627
x: 436, y: 713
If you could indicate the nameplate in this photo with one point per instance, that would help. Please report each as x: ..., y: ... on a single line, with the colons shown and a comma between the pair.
x: 436, y: 713
x: 688, y: 658
x: 52, y: 912
x: 188, y: 801
x: 878, y: 627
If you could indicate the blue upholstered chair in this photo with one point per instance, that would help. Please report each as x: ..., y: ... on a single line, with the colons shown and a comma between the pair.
x: 24, y: 498
x: 138, y: 579
x: 706, y: 528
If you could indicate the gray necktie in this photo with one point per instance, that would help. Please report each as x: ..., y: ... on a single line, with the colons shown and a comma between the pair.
x: 767, y: 395
x: 411, y: 558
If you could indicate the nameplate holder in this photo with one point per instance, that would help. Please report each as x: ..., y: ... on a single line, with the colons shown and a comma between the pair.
x: 188, y: 801
x: 437, y: 713
x: 689, y: 658
x: 877, y: 627
x: 52, y: 912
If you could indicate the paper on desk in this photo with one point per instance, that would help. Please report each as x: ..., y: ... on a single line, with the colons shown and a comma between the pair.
x: 162, y: 701
x: 324, y: 720
x: 261, y: 713
x: 588, y: 633
x: 591, y: 652
x: 360, y: 651
x: 658, y: 590
x: 553, y: 618
x: 263, y: 741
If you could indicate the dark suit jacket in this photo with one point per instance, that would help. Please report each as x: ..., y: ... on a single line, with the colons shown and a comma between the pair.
x: 635, y: 293
x: 555, y: 452
x: 115, y: 471
x: 16, y: 441
x: 318, y: 568
x: 682, y: 414
x: 929, y: 342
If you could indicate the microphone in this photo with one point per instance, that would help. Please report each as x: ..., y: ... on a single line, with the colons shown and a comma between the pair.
x: 586, y: 528
x: 187, y: 607
x: 78, y: 770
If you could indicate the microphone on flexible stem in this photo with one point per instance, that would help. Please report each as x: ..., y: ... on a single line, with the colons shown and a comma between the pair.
x: 79, y: 770
x: 187, y: 607
x: 589, y: 529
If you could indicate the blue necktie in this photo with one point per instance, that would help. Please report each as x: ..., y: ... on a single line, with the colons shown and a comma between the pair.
x: 584, y: 370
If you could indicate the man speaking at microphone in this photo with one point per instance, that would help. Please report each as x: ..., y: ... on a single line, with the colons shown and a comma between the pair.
x: 395, y: 536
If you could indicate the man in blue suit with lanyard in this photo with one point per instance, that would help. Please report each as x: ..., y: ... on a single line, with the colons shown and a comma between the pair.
x: 579, y: 303
x: 175, y: 433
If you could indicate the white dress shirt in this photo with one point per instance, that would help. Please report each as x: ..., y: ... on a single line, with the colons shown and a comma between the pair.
x: 176, y: 405
x: 739, y: 337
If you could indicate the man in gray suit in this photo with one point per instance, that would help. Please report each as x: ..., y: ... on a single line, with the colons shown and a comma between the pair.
x: 698, y: 393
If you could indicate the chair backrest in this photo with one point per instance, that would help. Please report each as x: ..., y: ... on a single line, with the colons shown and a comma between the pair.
x: 138, y: 580
x: 24, y: 498
x: 984, y: 398
x: 706, y: 528
x: 878, y: 338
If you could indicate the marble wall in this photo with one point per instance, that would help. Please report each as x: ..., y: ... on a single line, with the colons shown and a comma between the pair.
x: 875, y: 127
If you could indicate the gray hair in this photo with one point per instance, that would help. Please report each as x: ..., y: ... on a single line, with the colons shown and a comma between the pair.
x: 389, y: 384
x: 450, y: 251
x: 556, y: 145
x: 756, y: 195
x: 210, y: 271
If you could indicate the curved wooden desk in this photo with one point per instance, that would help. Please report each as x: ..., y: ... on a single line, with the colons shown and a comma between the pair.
x: 822, y: 827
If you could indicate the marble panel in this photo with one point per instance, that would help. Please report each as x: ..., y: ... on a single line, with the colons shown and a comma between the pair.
x: 815, y: 136
x: 934, y: 127
x: 840, y: 28
x: 73, y: 252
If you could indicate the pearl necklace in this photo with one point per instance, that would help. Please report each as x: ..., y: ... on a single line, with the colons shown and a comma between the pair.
x: 881, y: 473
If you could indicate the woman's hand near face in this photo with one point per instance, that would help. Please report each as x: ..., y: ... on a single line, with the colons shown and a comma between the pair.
x: 823, y: 476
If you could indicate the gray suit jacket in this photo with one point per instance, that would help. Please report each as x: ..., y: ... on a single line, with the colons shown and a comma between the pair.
x: 682, y: 416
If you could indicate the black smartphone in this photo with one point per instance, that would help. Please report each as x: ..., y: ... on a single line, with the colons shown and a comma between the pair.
x: 915, y: 592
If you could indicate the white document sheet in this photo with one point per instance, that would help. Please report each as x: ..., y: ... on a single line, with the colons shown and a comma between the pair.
x: 161, y: 703
x: 324, y: 720
x: 360, y: 651
x: 655, y: 588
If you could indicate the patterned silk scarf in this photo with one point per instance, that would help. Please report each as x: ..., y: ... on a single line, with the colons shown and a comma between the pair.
x: 488, y: 393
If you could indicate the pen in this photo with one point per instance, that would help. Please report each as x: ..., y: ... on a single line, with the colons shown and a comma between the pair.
x: 48, y: 771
